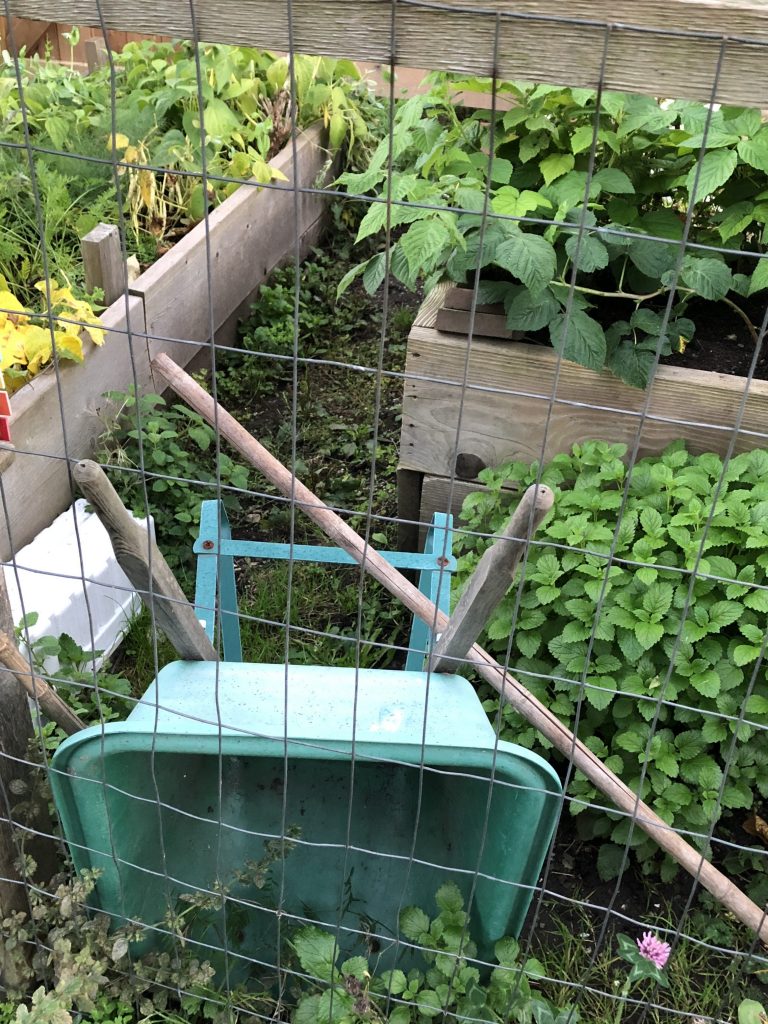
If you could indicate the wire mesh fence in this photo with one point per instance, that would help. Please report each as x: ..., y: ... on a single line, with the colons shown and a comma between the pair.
x: 291, y: 793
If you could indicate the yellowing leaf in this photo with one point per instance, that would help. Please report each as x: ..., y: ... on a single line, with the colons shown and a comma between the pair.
x: 277, y: 175
x: 120, y: 141
x: 131, y: 155
x: 147, y: 187
x: 261, y: 171
x: 37, y: 346
x: 67, y: 342
x: 10, y: 306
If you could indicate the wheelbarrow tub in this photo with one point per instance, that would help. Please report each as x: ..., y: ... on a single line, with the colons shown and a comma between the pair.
x: 395, y: 780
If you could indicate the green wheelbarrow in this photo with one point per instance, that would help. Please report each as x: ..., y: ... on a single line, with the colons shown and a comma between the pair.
x: 389, y: 783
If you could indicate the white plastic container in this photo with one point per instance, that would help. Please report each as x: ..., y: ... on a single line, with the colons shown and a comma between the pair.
x: 91, y: 600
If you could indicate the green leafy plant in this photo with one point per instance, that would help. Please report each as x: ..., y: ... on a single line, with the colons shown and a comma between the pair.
x: 447, y: 986
x: 95, y: 694
x: 179, y: 456
x: 606, y: 630
x: 587, y: 268
x: 157, y: 139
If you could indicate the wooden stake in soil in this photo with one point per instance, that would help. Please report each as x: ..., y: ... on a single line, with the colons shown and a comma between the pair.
x: 50, y: 702
x: 512, y: 691
x: 491, y: 580
x: 156, y: 584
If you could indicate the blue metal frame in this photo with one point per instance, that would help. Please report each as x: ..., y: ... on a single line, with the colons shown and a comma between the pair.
x: 216, y: 551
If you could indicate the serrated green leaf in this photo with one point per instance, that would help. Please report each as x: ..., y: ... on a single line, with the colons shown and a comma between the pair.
x: 709, y: 278
x: 579, y: 338
x: 529, y: 257
x: 632, y: 364
x: 754, y: 151
x: 743, y: 654
x: 706, y: 683
x: 529, y: 312
x: 710, y: 173
x: 735, y: 219
x: 723, y: 613
x: 610, y: 859
x: 759, y: 278
x: 648, y: 633
x: 611, y: 179
x: 355, y: 967
x: 422, y: 242
x: 413, y: 923
x: 587, y: 253
x: 556, y: 166
x: 581, y: 138
x: 757, y: 705
x: 316, y: 950
x: 652, y: 257
x: 449, y: 898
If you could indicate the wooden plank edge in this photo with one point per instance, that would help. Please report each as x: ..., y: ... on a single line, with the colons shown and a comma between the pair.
x: 671, y: 49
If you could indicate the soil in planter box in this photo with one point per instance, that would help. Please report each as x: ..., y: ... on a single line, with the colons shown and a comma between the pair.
x: 723, y: 342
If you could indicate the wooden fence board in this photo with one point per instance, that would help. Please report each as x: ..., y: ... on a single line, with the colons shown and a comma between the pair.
x: 509, y: 389
x: 35, y: 482
x: 661, y: 47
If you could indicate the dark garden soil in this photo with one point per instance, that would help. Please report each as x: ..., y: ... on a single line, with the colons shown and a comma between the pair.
x: 723, y: 343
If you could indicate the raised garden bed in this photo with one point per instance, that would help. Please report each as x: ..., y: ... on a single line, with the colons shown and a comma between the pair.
x: 58, y: 417
x: 520, y: 401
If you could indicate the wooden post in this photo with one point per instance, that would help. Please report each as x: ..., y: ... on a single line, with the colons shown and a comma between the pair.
x: 490, y: 581
x: 155, y: 584
x: 511, y: 690
x: 103, y: 261
x: 95, y: 53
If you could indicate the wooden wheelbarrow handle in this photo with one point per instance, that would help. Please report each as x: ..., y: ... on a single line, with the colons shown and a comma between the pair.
x: 512, y: 691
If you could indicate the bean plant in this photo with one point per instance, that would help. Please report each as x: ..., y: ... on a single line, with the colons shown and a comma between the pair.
x: 587, y: 208
x: 643, y: 609
x: 147, y: 113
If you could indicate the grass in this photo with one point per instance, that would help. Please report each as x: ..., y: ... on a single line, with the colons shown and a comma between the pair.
x: 342, y: 420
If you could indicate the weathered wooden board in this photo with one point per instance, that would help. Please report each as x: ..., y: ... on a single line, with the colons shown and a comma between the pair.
x: 488, y: 322
x: 248, y: 236
x: 661, y: 47
x: 35, y: 483
x: 503, y: 412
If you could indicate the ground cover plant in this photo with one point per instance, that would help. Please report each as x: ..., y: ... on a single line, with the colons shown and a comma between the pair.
x: 534, y: 981
x: 336, y: 442
x: 664, y: 643
x: 588, y: 271
x: 155, y: 131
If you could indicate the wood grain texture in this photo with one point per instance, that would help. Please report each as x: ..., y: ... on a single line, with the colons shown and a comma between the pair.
x: 51, y: 704
x: 488, y: 322
x: 510, y: 386
x: 437, y: 495
x: 661, y: 47
x: 247, y: 236
x: 145, y: 566
x: 510, y: 689
x: 103, y: 261
x: 491, y: 580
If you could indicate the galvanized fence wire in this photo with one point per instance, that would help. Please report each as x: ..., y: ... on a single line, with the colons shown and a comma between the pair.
x: 605, y: 913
